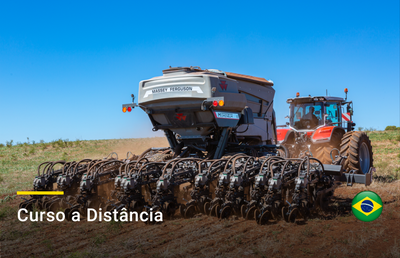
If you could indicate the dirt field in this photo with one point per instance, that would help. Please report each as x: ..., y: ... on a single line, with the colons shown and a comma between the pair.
x: 335, y: 234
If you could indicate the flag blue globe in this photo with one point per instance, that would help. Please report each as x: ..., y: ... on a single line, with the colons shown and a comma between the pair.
x: 367, y: 206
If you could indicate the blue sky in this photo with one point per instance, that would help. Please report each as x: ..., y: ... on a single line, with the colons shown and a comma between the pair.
x: 67, y: 66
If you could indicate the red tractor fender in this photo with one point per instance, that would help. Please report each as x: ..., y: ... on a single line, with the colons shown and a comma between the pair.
x: 283, y: 134
x: 324, y: 134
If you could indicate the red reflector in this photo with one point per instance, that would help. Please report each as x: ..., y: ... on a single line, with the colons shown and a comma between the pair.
x: 129, y: 109
x: 215, y: 103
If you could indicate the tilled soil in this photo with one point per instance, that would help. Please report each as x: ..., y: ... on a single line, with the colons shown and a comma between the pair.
x: 336, y: 234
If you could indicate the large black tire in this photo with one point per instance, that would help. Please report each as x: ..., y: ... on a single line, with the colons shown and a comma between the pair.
x: 323, y: 152
x: 357, y: 147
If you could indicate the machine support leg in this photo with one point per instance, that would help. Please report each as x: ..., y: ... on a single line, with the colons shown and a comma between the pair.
x: 222, y: 143
x: 171, y: 138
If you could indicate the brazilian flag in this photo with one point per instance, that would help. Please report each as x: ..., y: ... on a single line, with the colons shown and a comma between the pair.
x: 367, y: 206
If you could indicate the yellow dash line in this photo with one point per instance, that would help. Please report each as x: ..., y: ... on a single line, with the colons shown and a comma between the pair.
x: 40, y: 193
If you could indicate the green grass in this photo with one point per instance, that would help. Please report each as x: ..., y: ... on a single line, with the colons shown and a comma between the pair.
x: 386, y: 149
x: 383, y: 135
x: 19, y: 163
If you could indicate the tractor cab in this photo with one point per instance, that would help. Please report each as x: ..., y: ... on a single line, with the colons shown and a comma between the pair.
x: 310, y: 113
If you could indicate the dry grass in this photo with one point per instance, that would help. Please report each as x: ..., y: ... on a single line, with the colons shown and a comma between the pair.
x: 18, y: 163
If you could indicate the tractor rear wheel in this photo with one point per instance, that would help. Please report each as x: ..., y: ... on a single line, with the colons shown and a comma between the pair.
x: 357, y: 147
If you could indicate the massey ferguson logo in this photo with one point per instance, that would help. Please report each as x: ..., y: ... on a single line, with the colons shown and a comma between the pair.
x: 180, y: 117
x: 223, y: 85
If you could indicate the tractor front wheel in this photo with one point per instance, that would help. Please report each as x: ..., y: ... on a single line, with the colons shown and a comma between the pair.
x: 357, y: 147
x: 323, y: 153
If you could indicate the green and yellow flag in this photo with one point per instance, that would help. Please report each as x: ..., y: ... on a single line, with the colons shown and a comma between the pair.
x: 367, y: 206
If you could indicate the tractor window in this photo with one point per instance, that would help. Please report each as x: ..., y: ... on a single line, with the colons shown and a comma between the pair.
x: 333, y: 112
x: 306, y: 115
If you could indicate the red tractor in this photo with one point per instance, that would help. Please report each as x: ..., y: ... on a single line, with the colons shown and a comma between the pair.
x: 322, y: 127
